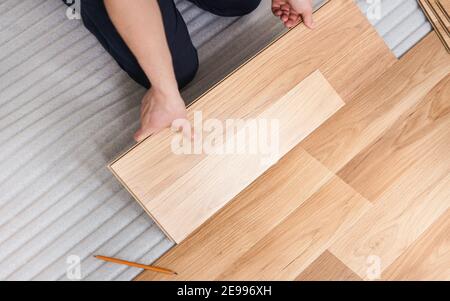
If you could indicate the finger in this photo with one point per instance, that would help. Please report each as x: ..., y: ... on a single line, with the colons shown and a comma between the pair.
x: 276, y: 6
x: 138, y: 136
x: 277, y: 12
x: 294, y: 17
x: 142, y: 134
x: 308, y: 19
x: 285, y: 7
x: 284, y: 18
x: 293, y: 20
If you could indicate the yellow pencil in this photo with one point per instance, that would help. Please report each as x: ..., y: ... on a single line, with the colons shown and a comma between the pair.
x: 136, y: 265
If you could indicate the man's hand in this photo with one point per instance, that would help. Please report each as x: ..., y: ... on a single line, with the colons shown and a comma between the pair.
x: 158, y: 111
x: 291, y: 12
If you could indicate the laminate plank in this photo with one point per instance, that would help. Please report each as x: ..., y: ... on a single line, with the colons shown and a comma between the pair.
x: 187, y: 202
x: 412, y: 191
x: 434, y: 20
x: 302, y: 237
x: 413, y: 139
x: 149, y: 169
x: 327, y: 268
x: 445, y: 7
x: 440, y: 15
x: 396, y: 221
x: 366, y: 117
x: 428, y: 259
x: 246, y: 220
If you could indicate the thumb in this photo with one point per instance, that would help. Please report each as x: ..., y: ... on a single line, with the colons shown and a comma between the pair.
x: 308, y: 19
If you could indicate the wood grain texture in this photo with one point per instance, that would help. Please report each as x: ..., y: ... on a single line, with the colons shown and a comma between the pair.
x: 407, y: 175
x: 255, y: 86
x: 305, y: 234
x: 365, y: 118
x: 420, y: 135
x: 428, y: 258
x: 300, y: 220
x: 343, y: 38
x: 327, y: 268
x: 246, y: 220
x: 210, y: 184
x: 437, y: 24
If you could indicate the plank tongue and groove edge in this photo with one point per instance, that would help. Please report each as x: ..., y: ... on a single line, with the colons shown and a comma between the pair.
x: 211, y: 182
x: 437, y: 23
x: 445, y: 7
x: 434, y: 4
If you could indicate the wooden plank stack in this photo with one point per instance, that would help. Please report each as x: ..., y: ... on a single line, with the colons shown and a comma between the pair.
x: 438, y: 12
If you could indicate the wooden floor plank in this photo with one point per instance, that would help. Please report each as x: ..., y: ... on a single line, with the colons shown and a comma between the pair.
x: 234, y: 230
x: 428, y: 258
x: 297, y: 241
x: 349, y: 79
x: 413, y: 139
x: 187, y: 203
x: 445, y: 6
x: 365, y: 118
x: 407, y: 173
x: 396, y: 221
x: 327, y: 268
x: 343, y: 38
x: 246, y: 220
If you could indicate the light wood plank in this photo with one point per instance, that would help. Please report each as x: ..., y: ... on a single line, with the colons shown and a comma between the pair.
x: 365, y: 118
x: 395, y: 222
x: 428, y: 258
x: 413, y: 139
x: 408, y: 173
x: 434, y: 20
x: 209, y: 185
x: 445, y: 7
x: 296, y: 242
x: 327, y: 268
x: 246, y: 220
x: 258, y: 84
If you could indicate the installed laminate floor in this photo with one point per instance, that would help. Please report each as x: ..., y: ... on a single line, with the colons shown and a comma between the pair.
x: 365, y: 196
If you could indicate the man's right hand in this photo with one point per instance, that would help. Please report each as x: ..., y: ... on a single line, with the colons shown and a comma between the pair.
x: 158, y: 110
x: 291, y: 12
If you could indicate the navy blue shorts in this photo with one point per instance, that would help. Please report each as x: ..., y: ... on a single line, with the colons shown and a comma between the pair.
x: 184, y: 54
